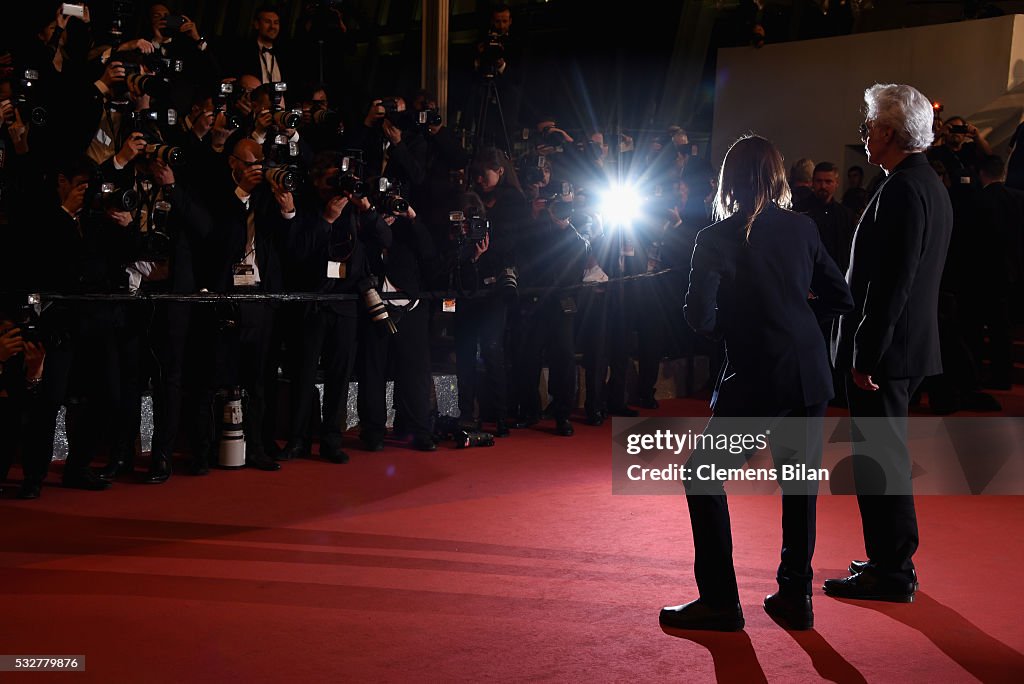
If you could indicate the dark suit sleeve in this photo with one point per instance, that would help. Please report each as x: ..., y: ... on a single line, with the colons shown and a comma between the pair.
x: 900, y: 223
x: 701, y: 308
x: 832, y: 296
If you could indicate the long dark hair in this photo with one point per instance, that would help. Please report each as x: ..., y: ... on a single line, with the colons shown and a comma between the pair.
x: 752, y: 177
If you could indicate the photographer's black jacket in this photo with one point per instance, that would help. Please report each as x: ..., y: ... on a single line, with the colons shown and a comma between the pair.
x: 407, y: 160
x: 228, y: 240
x: 409, y: 260
x: 313, y: 242
x: 551, y: 258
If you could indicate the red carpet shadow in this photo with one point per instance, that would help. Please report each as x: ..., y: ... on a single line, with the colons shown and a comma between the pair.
x: 826, y: 660
x: 981, y: 654
x: 733, y: 655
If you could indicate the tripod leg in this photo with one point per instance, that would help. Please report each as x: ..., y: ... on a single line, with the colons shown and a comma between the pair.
x: 501, y: 119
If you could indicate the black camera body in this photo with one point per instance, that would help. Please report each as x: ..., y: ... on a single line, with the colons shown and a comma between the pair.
x: 387, y: 196
x: 468, y: 228
x: 24, y: 98
x: 173, y: 24
x: 224, y: 103
x: 428, y: 117
x: 493, y: 51
x: 103, y: 196
x: 348, y: 180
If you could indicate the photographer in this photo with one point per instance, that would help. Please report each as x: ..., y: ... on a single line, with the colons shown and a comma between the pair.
x: 552, y: 255
x: 481, y: 320
x: 273, y: 122
x: 21, y: 369
x: 330, y: 243
x: 252, y: 220
x: 261, y: 55
x: 962, y: 148
x: 322, y: 126
x: 169, y: 227
x: 79, y: 251
x: 401, y: 269
x: 445, y: 161
x: 391, y: 144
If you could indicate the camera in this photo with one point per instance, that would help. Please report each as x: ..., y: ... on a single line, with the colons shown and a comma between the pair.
x: 447, y: 427
x: 168, y: 154
x: 24, y: 98
x: 286, y: 119
x: 320, y: 115
x: 428, y: 117
x: 159, y: 117
x: 375, y: 307
x: 285, y: 177
x: 140, y: 84
x: 173, y: 23
x: 387, y: 196
x: 347, y: 180
x: 106, y: 196
x: 121, y: 12
x: 390, y: 105
x: 32, y: 327
x: 155, y: 243
x: 468, y: 228
x: 532, y: 170
x: 224, y: 103
x: 492, y: 51
x: 960, y: 128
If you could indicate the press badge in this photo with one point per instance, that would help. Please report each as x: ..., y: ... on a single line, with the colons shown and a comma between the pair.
x: 244, y: 275
x: 336, y: 269
x: 448, y: 305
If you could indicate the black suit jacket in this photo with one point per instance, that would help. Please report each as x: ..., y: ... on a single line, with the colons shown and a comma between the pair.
x: 244, y: 58
x: 756, y: 296
x: 228, y: 241
x: 896, y: 265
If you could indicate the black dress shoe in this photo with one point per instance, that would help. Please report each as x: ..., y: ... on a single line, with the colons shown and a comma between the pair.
x: 371, y: 442
x: 623, y: 411
x: 84, y: 478
x: 699, y: 615
x: 858, y: 566
x: 650, y: 403
x: 333, y: 454
x: 424, y: 442
x: 501, y: 429
x: 524, y: 422
x: 868, y: 586
x: 292, y: 450
x: 563, y: 428
x: 595, y: 419
x: 790, y: 611
x: 115, y: 469
x: 261, y: 461
x: 29, y: 490
x: 159, y: 471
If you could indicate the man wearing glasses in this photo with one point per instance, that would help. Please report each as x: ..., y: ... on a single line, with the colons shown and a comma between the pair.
x: 890, y: 341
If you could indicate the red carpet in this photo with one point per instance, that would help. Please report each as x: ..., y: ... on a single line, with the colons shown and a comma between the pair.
x: 506, y: 564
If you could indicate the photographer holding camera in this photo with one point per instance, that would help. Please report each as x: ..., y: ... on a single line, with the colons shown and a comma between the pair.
x: 79, y: 251
x: 329, y: 246
x: 253, y: 216
x: 391, y: 144
x: 552, y: 255
x: 402, y: 268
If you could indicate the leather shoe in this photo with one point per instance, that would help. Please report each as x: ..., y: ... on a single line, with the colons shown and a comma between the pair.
x: 292, y: 450
x: 623, y: 411
x: 525, y: 422
x: 595, y: 419
x: 159, y: 471
x: 790, y: 611
x: 372, y: 442
x: 29, y: 490
x: 868, y: 586
x: 858, y: 566
x: 262, y: 462
x: 333, y: 454
x: 114, y: 469
x: 84, y: 478
x: 563, y: 428
x: 424, y: 442
x: 501, y: 428
x: 699, y: 615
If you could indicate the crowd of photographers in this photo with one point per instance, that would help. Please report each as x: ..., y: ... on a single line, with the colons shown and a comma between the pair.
x: 134, y: 169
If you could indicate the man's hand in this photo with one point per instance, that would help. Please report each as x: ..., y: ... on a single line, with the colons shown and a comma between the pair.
x: 251, y: 177
x: 7, y: 112
x: 75, y: 200
x: 62, y: 19
x: 113, y: 74
x: 190, y: 28
x: 375, y: 114
x: 361, y: 203
x: 120, y: 218
x: 163, y: 174
x: 410, y: 213
x: 481, y: 247
x: 35, y: 354
x: 202, y: 122
x: 140, y: 44
x: 11, y: 344
x: 264, y: 119
x: 393, y: 132
x: 133, y: 147
x: 221, y: 132
x: 285, y: 200
x: 334, y: 207
x: 863, y: 381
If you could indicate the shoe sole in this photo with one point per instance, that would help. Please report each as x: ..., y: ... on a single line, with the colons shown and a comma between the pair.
x: 788, y: 623
x: 888, y: 598
x: 724, y: 626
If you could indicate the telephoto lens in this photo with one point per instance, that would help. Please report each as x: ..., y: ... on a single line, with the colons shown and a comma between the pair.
x: 394, y: 204
x: 465, y: 439
x: 326, y: 117
x: 146, y: 85
x: 375, y: 306
x: 287, y: 119
x: 284, y: 177
x: 173, y: 156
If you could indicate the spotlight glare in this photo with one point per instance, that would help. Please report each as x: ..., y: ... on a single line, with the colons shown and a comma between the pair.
x: 620, y: 205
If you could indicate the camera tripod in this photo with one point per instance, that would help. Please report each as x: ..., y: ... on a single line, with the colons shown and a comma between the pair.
x: 488, y: 93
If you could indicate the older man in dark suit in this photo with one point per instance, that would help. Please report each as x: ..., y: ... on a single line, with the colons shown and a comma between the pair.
x: 891, y: 340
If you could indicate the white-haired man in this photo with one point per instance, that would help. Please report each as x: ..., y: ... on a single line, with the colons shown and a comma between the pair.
x: 890, y: 341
